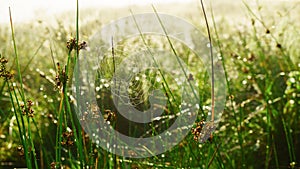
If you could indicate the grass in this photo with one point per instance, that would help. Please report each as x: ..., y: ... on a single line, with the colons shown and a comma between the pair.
x: 259, y: 127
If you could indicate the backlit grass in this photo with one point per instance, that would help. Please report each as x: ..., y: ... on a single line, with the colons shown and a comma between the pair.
x: 257, y: 42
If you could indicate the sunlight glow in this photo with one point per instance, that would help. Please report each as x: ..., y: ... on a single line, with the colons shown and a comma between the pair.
x: 24, y: 10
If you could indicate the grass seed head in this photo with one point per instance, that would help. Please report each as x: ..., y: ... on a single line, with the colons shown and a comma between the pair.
x: 72, y: 44
x: 7, y: 75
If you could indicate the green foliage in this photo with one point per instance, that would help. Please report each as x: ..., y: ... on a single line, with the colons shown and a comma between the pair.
x: 259, y: 127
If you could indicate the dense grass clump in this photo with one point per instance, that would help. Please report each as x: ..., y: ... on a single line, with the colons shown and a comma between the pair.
x: 259, y: 127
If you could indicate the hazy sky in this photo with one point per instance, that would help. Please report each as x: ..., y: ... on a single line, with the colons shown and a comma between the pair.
x: 23, y: 10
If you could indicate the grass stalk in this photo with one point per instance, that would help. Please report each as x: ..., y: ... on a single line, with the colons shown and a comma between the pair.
x: 21, y: 129
x: 177, y: 58
x: 22, y: 94
x: 79, y: 141
x: 228, y: 84
x: 212, y: 65
x: 152, y: 55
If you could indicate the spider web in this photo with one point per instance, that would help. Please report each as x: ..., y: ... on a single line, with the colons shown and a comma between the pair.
x: 138, y: 84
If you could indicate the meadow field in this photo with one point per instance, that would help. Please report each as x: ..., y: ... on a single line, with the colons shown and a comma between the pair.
x: 45, y: 121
